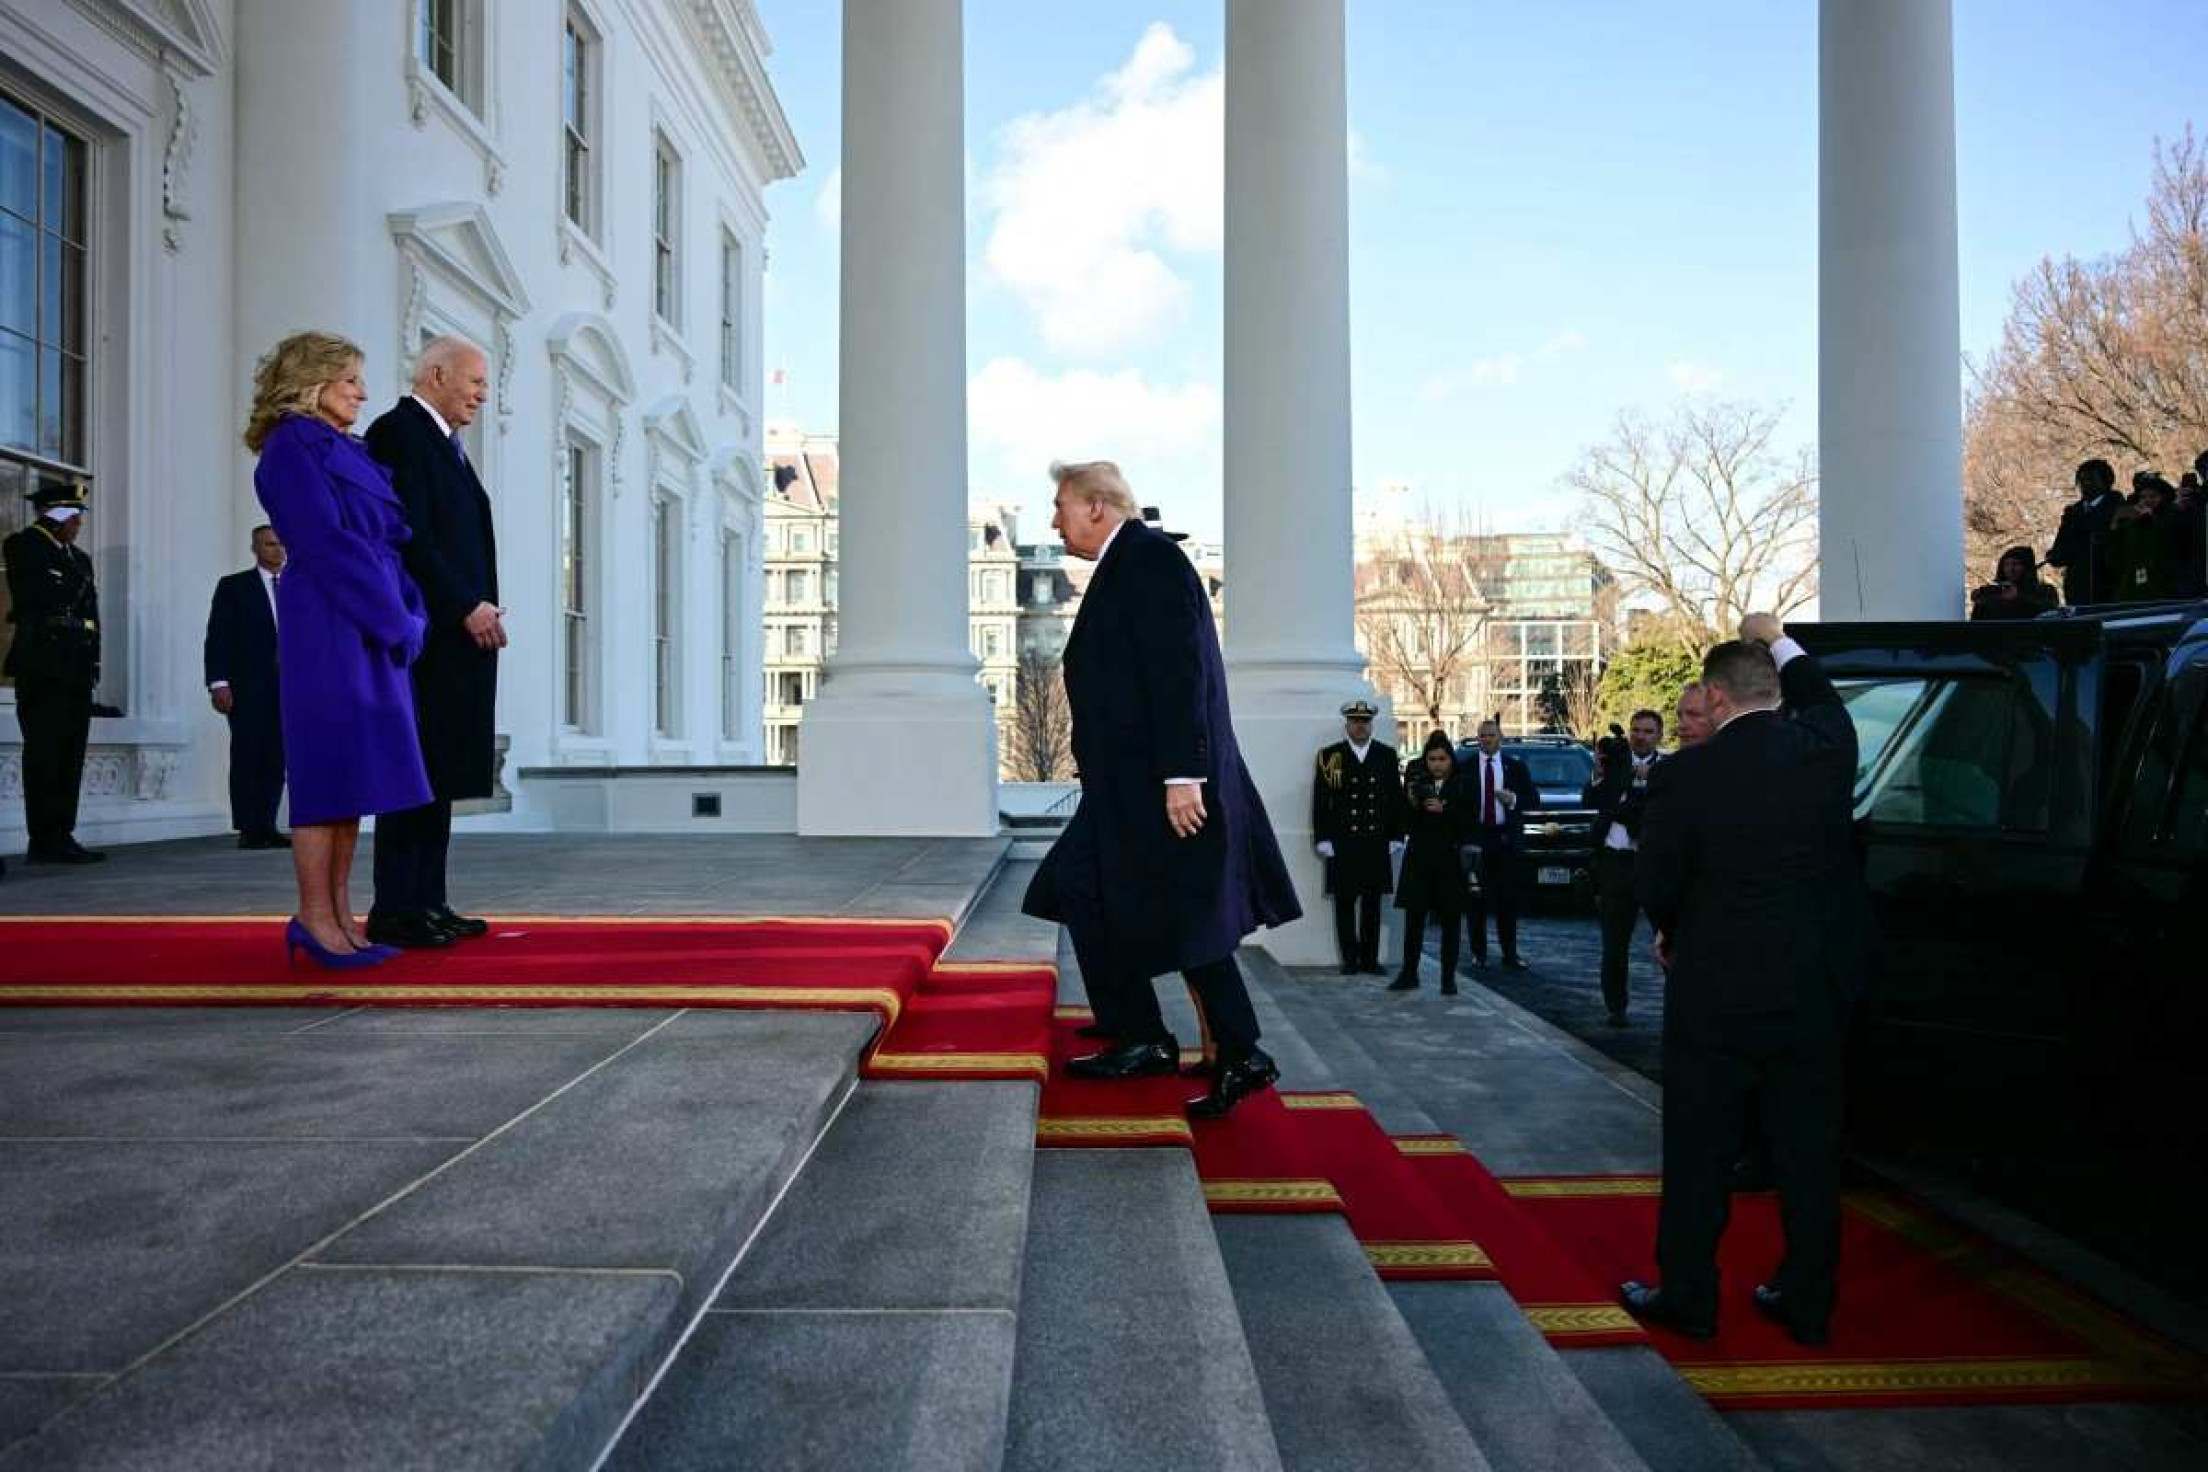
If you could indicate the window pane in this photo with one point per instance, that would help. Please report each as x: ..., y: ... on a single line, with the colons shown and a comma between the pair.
x: 18, y: 275
x: 18, y: 160
x: 2189, y: 820
x: 1949, y: 774
x: 72, y: 409
x: 1878, y: 710
x: 65, y: 185
x: 49, y: 405
x: 18, y: 391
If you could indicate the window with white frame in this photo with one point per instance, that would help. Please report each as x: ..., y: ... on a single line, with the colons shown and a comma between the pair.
x: 800, y: 585
x: 801, y: 541
x: 732, y: 634
x: 579, y: 63
x: 448, y: 40
x: 797, y: 641
x: 666, y: 614
x: 578, y: 566
x: 732, y: 314
x: 666, y: 231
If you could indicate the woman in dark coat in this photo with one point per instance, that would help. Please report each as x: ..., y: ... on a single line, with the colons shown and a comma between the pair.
x: 1433, y: 873
x: 2016, y: 590
x: 349, y: 622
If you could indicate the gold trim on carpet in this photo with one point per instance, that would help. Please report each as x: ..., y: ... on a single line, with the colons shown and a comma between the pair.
x: 991, y: 968
x: 1027, y: 1063
x: 1564, y: 1320
x: 1338, y: 1099
x: 1111, y: 1127
x: 1071, y: 1014
x: 1248, y: 1193
x: 889, y: 1003
x: 1896, y: 1377
x: 1427, y: 1255
x: 1430, y: 1145
x: 1554, y: 1186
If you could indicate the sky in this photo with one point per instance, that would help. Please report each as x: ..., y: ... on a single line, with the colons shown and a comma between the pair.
x: 1558, y: 212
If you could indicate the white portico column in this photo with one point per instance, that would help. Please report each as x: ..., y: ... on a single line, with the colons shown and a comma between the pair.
x: 901, y: 739
x: 1291, y: 653
x: 1889, y: 356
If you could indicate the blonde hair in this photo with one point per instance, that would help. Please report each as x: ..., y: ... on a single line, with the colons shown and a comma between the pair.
x: 1097, y: 480
x: 290, y: 377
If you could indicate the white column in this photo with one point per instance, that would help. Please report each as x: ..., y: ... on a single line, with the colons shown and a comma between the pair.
x: 1889, y: 356
x: 1291, y: 652
x: 900, y: 739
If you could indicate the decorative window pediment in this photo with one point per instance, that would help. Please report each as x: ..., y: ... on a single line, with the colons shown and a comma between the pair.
x: 673, y: 428
x: 585, y: 344
x: 453, y: 248
x: 182, y: 32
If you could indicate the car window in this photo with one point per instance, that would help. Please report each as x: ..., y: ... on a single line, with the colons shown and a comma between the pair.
x: 2189, y: 816
x: 1879, y: 708
x: 1556, y: 766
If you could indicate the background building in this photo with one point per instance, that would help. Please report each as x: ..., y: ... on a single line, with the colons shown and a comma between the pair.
x: 575, y: 185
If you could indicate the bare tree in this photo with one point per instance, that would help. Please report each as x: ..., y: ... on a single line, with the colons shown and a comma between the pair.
x: 1570, y: 697
x: 2104, y: 358
x: 1038, y: 744
x: 1703, y: 514
x: 1422, y: 611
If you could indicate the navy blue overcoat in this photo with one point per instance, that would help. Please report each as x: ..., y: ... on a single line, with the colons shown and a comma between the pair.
x: 1149, y: 696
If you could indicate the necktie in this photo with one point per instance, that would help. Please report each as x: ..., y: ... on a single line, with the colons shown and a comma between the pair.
x: 459, y: 447
x: 1489, y: 814
x: 273, y: 579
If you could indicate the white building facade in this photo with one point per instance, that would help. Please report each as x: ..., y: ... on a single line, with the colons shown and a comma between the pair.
x: 576, y: 185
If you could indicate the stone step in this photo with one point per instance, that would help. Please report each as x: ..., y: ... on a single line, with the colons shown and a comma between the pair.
x: 1130, y: 1349
x: 508, y: 1308
x: 872, y: 1322
x: 1344, y: 1378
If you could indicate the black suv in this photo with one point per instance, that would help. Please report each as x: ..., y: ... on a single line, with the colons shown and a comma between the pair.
x: 2032, y: 804
x: 1560, y: 842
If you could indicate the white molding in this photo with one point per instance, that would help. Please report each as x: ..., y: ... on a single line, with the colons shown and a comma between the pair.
x: 176, y: 154
x: 733, y: 37
x: 665, y: 339
x: 184, y: 33
x: 456, y: 244
x: 587, y: 344
x: 575, y: 242
x: 424, y: 92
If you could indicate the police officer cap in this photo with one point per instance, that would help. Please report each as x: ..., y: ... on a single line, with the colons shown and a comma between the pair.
x: 52, y: 491
x: 1360, y: 710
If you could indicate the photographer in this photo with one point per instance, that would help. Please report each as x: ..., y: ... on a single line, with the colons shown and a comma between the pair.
x: 1623, y: 761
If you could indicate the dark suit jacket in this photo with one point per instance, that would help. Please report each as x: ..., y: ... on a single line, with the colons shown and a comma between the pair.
x: 1510, y: 836
x: 1148, y: 690
x: 1616, y: 800
x: 55, y: 607
x: 1747, y: 866
x: 1358, y: 807
x: 241, y: 640
x: 2081, y: 551
x: 453, y: 557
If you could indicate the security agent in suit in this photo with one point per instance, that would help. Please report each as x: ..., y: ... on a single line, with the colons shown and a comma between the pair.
x: 55, y: 663
x: 240, y: 660
x: 1358, y: 823
x: 1619, y: 795
x: 1747, y: 869
x: 453, y: 557
x: 2081, y: 545
x: 1502, y: 793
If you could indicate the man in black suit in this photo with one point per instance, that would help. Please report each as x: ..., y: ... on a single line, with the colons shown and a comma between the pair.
x: 1748, y: 871
x: 2081, y: 542
x: 453, y: 556
x: 1618, y: 795
x: 1169, y: 861
x: 1503, y: 793
x: 54, y: 660
x: 1358, y: 823
x: 240, y: 659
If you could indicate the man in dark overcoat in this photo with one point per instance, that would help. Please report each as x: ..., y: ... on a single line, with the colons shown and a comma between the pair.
x: 55, y: 663
x: 2081, y: 545
x: 1502, y: 792
x: 1358, y: 824
x: 240, y: 661
x: 1748, y: 871
x: 453, y: 555
x: 1169, y: 861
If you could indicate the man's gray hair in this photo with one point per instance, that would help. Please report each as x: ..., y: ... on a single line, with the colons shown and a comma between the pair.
x: 1097, y: 480
x: 446, y: 352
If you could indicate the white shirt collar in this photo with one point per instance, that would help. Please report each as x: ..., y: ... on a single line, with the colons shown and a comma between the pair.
x: 435, y: 417
x: 266, y: 575
x: 1360, y: 750
x: 1759, y: 710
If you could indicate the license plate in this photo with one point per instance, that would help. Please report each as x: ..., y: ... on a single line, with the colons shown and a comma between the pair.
x: 1555, y: 876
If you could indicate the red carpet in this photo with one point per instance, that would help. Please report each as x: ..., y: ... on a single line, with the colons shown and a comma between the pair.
x: 1930, y: 1313
x: 1407, y: 1230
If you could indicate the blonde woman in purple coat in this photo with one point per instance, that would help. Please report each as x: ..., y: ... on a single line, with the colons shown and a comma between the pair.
x: 349, y: 622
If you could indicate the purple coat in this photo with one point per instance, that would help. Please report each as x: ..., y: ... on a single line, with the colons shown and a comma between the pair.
x: 348, y: 623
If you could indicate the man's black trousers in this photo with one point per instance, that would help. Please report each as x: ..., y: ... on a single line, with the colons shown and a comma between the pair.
x: 410, y: 859
x: 1618, y: 909
x: 1709, y: 1076
x: 55, y: 717
x: 1498, y: 892
x: 1357, y: 927
x: 1128, y: 1005
x: 256, y: 763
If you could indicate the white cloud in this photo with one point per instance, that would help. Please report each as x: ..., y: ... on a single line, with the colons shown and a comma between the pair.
x: 1026, y: 418
x: 1571, y: 340
x: 1691, y: 377
x: 1087, y: 203
x: 828, y: 204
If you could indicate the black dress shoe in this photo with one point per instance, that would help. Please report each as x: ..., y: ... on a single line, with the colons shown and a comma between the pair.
x: 263, y: 840
x: 1448, y: 986
x: 69, y: 851
x: 1131, y: 1060
x: 1512, y: 963
x: 1233, y: 1083
x: 1201, y: 1068
x: 1404, y: 983
x: 1373, y: 968
x: 1094, y: 1030
x: 412, y: 932
x: 1616, y: 1019
x: 1652, y: 1305
x: 1774, y: 1305
x: 463, y: 927
x: 1349, y: 968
